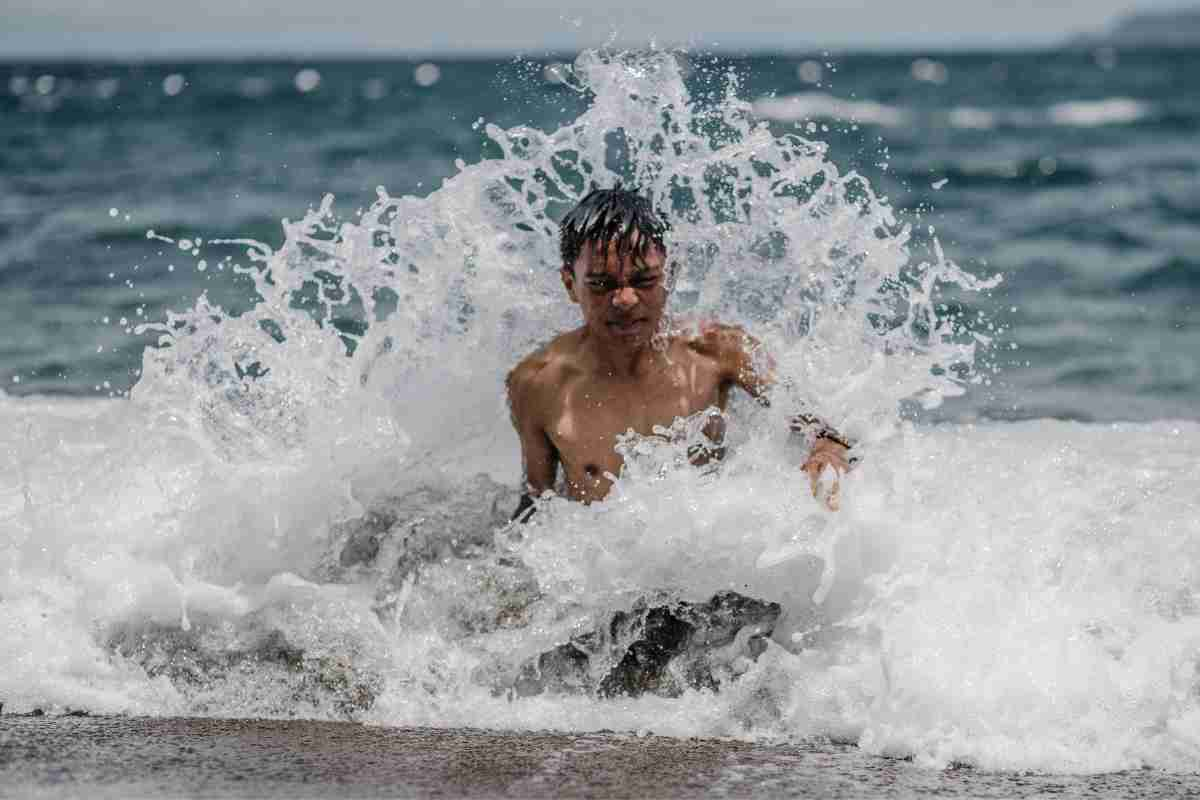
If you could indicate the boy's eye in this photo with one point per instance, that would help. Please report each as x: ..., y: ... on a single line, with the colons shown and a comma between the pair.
x: 606, y: 285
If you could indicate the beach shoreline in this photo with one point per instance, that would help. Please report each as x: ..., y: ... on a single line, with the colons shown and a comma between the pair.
x: 115, y: 756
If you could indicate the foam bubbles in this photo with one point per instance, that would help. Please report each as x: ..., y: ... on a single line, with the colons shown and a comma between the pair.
x: 556, y: 72
x: 927, y: 70
x: 306, y: 80
x: 173, y: 84
x: 106, y: 88
x: 810, y: 71
x: 427, y: 74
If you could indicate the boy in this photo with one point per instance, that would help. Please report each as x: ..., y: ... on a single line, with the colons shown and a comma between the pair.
x: 572, y: 398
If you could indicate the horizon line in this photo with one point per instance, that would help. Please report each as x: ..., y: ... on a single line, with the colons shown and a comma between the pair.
x: 569, y: 54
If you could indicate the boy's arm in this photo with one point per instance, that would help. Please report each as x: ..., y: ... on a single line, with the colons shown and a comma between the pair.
x: 539, y: 459
x: 747, y: 367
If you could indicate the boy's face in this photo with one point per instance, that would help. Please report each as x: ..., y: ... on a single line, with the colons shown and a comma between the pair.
x: 622, y: 294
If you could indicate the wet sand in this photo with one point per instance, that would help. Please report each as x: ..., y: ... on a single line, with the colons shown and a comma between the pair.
x: 144, y: 757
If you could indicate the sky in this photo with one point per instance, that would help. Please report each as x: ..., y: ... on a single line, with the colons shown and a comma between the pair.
x: 75, y: 28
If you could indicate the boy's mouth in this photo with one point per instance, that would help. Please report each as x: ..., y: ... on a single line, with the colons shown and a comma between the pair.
x: 626, y: 327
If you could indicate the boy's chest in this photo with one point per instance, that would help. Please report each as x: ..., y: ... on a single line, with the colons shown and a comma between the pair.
x: 592, y: 413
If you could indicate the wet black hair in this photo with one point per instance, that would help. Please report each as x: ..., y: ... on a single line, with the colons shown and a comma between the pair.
x: 610, y: 215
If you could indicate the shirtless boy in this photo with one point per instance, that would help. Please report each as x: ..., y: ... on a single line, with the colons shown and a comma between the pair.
x: 573, y: 397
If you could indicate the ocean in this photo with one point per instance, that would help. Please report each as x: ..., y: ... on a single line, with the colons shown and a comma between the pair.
x: 255, y: 457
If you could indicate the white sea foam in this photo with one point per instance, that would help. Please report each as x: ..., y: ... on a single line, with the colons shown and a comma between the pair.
x: 1090, y: 114
x: 976, y: 118
x: 1017, y: 596
x: 817, y: 105
x: 1113, y: 111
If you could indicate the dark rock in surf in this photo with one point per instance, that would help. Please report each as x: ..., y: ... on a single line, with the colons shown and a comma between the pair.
x: 563, y: 670
x: 403, y: 536
x: 196, y: 659
x: 398, y: 538
x: 658, y: 649
x: 362, y: 540
x: 427, y: 524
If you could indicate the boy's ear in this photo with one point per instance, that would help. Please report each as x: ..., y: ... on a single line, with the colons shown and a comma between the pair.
x: 568, y: 279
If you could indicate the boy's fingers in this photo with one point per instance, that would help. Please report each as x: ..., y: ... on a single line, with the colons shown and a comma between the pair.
x: 813, y: 470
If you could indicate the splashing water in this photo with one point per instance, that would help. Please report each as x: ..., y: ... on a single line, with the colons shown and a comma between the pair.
x: 299, y: 510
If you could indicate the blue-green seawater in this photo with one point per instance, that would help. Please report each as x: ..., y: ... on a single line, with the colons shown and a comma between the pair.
x: 1073, y: 174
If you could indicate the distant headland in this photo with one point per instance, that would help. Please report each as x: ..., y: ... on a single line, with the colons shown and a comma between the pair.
x: 1174, y: 28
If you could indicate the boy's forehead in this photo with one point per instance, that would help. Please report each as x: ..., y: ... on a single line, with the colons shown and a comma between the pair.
x: 602, y: 257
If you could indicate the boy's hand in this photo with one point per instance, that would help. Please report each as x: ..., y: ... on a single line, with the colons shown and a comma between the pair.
x: 826, y: 453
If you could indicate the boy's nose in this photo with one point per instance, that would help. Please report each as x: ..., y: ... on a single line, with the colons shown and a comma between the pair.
x: 625, y: 297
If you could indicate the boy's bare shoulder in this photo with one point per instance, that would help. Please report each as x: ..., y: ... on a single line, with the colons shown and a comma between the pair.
x: 544, y: 369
